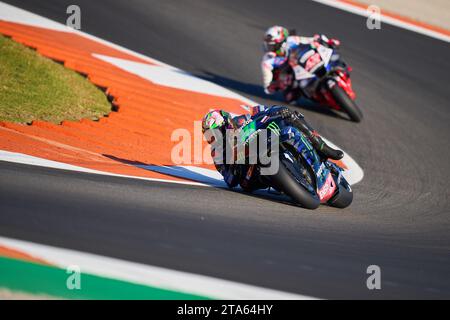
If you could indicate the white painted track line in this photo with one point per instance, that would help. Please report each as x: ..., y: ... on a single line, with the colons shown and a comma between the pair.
x: 385, y: 19
x: 148, y: 275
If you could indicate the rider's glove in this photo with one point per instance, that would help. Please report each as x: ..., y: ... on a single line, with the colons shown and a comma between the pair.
x: 334, y: 43
x: 286, y: 113
x: 323, y: 39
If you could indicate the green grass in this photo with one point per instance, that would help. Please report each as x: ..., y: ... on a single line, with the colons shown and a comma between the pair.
x: 33, y: 278
x: 33, y: 87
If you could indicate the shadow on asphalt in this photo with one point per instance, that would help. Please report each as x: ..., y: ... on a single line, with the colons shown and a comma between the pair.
x: 180, y: 172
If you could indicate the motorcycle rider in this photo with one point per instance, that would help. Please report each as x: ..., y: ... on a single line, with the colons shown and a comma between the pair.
x: 276, y: 74
x: 235, y: 174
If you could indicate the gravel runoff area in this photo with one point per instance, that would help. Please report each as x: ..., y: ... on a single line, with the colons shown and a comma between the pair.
x: 434, y: 12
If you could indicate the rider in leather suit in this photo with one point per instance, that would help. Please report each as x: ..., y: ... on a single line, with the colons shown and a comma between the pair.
x: 278, y: 43
x: 235, y: 174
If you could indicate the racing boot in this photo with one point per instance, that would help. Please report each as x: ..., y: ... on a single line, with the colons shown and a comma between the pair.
x: 298, y: 120
x: 324, y: 149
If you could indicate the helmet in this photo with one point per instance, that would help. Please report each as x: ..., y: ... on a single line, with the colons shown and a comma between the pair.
x: 213, y: 120
x: 274, y: 38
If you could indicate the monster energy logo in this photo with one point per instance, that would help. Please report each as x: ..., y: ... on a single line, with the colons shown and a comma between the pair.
x: 308, y: 146
x: 274, y: 128
x: 306, y: 143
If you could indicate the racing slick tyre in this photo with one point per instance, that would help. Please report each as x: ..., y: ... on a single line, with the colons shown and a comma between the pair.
x: 342, y: 199
x: 286, y: 180
x: 346, y: 103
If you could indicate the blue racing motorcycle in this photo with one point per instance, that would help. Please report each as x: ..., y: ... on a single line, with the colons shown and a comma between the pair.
x: 302, y: 175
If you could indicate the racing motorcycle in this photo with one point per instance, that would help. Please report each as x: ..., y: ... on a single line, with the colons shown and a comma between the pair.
x: 302, y: 175
x: 318, y: 73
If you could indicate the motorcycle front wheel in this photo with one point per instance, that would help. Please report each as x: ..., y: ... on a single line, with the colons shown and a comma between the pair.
x: 346, y: 103
x: 287, y: 180
x: 342, y: 199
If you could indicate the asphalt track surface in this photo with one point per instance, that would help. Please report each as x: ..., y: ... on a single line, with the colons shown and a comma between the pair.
x: 399, y: 219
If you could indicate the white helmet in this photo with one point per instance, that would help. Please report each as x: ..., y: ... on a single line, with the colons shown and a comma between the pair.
x: 274, y: 38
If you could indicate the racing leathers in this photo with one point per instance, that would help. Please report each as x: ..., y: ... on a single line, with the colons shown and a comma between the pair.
x: 244, y: 174
x: 276, y: 72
